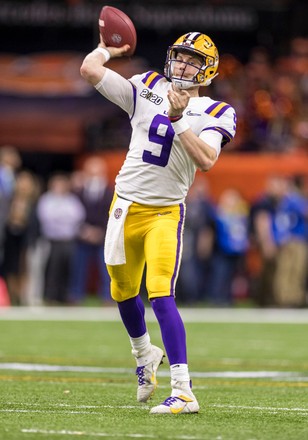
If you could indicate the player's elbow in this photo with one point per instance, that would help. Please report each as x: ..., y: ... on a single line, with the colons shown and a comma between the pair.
x: 88, y: 72
x: 207, y: 163
x: 206, y: 166
x: 85, y: 71
x: 207, y: 158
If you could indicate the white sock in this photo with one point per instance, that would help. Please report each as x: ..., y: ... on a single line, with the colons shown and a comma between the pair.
x: 179, y: 373
x: 140, y: 345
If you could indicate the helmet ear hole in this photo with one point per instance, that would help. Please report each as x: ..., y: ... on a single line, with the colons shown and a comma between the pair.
x: 209, y: 81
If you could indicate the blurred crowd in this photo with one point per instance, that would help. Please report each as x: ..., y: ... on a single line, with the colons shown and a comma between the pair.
x: 52, y: 233
x: 237, y: 250
x: 270, y: 96
x: 52, y: 239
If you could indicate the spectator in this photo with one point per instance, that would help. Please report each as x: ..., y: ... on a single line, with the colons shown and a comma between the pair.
x: 9, y: 164
x: 60, y: 214
x: 290, y: 228
x: 24, y: 197
x: 36, y: 257
x: 96, y: 196
x: 231, y: 245
x: 279, y: 220
x: 197, y: 243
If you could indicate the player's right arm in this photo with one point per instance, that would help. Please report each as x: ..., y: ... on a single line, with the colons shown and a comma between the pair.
x: 92, y: 68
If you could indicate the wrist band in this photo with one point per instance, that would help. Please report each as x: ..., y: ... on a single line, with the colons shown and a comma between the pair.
x: 175, y: 118
x: 180, y: 125
x: 104, y: 51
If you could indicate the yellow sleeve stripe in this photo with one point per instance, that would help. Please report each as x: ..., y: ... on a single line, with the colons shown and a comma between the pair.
x: 150, y: 78
x: 219, y: 107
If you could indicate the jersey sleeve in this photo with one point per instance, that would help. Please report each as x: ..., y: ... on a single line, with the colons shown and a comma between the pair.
x: 118, y: 90
x: 148, y: 79
x: 213, y: 138
x: 222, y: 119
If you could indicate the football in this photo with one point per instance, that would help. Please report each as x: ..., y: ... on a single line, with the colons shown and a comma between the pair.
x: 117, y: 29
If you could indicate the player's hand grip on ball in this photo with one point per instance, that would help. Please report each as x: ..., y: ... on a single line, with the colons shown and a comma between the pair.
x: 114, y: 52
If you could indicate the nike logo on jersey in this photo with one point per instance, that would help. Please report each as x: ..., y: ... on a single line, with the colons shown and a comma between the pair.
x: 190, y: 113
x: 177, y: 410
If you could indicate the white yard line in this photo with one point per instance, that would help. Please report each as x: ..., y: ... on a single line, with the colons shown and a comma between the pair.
x: 104, y: 434
x: 145, y: 407
x: 98, y: 408
x: 262, y: 408
x: 43, y: 411
x: 84, y: 433
x: 292, y: 316
x: 83, y: 409
x: 17, y: 366
x: 289, y: 375
x: 68, y: 405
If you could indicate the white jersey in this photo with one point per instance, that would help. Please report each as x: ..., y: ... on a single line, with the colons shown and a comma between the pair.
x: 157, y: 170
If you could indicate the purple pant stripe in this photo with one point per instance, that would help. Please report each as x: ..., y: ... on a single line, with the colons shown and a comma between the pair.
x: 178, y: 249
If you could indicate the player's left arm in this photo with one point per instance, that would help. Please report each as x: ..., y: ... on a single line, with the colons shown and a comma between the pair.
x: 200, y: 152
x: 203, y: 150
x: 203, y: 154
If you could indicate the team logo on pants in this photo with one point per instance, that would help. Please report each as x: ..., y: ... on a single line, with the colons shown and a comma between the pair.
x: 118, y: 212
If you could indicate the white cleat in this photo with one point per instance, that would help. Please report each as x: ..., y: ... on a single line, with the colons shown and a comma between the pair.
x: 181, y: 401
x: 146, y: 373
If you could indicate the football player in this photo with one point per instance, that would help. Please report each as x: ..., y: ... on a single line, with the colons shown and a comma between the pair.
x: 174, y: 133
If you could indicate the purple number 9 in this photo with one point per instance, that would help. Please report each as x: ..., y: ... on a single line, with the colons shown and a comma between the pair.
x: 161, y: 123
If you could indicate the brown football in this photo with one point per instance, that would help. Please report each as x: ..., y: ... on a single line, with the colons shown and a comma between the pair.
x: 117, y: 29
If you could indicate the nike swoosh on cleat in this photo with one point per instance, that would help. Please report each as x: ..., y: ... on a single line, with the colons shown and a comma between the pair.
x: 177, y: 410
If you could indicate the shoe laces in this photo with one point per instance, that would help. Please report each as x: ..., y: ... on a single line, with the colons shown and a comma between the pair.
x: 170, y: 401
x: 141, y: 376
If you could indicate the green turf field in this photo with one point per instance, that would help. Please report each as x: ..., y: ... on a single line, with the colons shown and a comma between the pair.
x: 74, y: 379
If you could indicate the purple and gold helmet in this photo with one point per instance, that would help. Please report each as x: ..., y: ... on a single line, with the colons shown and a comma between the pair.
x: 197, y: 44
